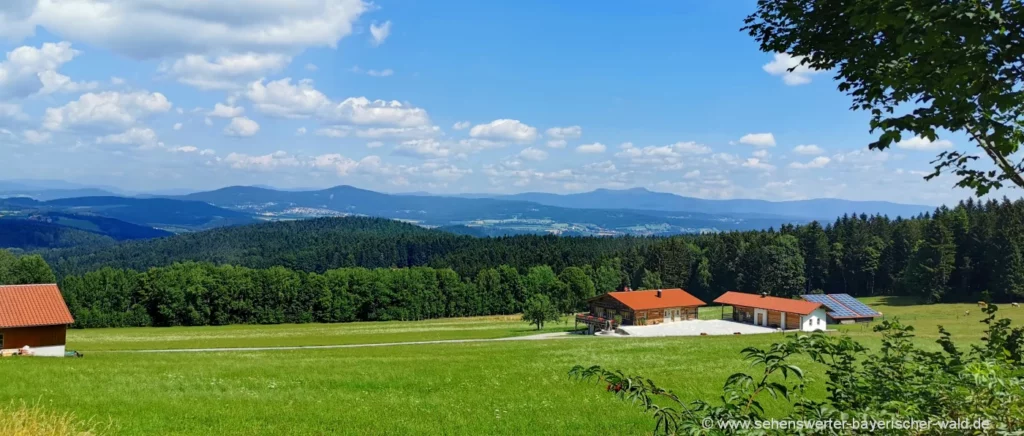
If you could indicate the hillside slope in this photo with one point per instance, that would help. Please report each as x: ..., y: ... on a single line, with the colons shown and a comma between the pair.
x: 324, y: 243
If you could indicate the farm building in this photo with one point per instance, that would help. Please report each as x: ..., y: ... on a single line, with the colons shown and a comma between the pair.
x: 784, y: 313
x: 843, y: 308
x: 648, y: 307
x: 33, y: 316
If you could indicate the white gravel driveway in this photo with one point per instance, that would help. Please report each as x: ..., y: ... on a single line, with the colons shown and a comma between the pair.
x: 695, y: 327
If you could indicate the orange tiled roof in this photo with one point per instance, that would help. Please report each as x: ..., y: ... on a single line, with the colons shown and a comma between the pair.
x: 32, y: 305
x: 789, y: 305
x: 643, y: 300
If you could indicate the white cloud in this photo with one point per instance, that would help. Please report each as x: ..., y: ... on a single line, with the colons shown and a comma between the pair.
x: 387, y: 72
x: 763, y: 154
x: 29, y: 70
x: 281, y: 98
x: 918, y: 143
x: 106, y: 109
x: 143, y: 137
x: 461, y: 125
x: 595, y: 148
x: 226, y: 111
x: 360, y: 110
x: 600, y: 167
x: 534, y: 154
x: 758, y: 139
x: 692, y: 174
x: 817, y: 162
x: 504, y: 130
x: 185, y: 149
x: 781, y: 64
x: 241, y: 126
x: 380, y: 33
x: 755, y: 163
x: 399, y: 132
x: 208, y: 121
x: 36, y: 137
x: 300, y: 131
x: 161, y: 28
x: 334, y: 132
x: 426, y: 148
x: 311, y: 67
x: 223, y: 72
x: 265, y: 162
x: 374, y: 144
x: 12, y: 111
x: 811, y: 149
x: 571, y: 132
x: 178, y: 126
x: 664, y: 158
x: 557, y: 143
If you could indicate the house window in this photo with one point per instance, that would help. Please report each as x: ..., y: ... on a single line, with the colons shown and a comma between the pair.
x: 1, y: 340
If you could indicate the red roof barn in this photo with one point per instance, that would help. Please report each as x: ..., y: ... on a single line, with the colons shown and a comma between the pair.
x: 33, y: 316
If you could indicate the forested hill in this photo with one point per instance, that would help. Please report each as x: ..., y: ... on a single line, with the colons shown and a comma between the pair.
x: 320, y: 244
x: 31, y: 235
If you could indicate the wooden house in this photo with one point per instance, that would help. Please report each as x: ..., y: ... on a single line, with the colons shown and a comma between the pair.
x: 648, y: 307
x: 776, y: 312
x: 33, y: 316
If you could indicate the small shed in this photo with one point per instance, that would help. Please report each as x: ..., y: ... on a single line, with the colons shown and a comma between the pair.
x: 33, y: 316
x: 648, y: 307
x: 767, y: 311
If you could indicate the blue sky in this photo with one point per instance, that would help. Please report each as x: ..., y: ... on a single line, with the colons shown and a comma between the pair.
x: 446, y: 97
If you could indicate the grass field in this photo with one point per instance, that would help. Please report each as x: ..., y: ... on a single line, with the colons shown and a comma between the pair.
x: 507, y: 387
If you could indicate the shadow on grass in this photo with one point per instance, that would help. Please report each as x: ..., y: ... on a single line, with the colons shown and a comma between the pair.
x: 893, y: 300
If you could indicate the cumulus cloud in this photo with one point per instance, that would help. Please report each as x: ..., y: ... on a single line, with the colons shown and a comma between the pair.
x: 241, y: 126
x: 664, y: 158
x: 223, y: 72
x: 281, y: 98
x: 595, y: 148
x: 142, y: 137
x: 11, y: 111
x: 780, y: 65
x: 534, y: 154
x: 226, y: 111
x: 163, y: 28
x: 264, y: 162
x: 399, y: 132
x: 817, y: 162
x: 504, y: 130
x: 461, y: 125
x: 36, y: 137
x: 918, y: 143
x: 557, y: 143
x: 29, y: 70
x: 334, y: 132
x: 810, y: 149
x: 571, y: 132
x: 424, y: 148
x: 380, y: 32
x: 105, y: 109
x: 758, y: 139
x: 755, y: 163
x: 178, y: 126
x: 300, y: 131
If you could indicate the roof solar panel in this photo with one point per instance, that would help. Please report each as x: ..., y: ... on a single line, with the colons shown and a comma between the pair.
x: 855, y: 305
x: 842, y: 305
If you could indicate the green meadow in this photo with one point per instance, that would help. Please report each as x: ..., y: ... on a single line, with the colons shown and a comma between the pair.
x: 500, y: 387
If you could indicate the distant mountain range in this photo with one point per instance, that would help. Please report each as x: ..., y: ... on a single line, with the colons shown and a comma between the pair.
x: 600, y: 212
x: 643, y: 199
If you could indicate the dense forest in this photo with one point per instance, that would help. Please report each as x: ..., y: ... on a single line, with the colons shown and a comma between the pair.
x: 370, y: 269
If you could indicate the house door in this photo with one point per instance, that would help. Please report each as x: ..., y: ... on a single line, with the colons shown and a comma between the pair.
x: 677, y: 315
x: 667, y: 315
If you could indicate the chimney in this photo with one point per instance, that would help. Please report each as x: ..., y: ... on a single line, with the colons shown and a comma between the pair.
x: 764, y: 294
x: 659, y: 293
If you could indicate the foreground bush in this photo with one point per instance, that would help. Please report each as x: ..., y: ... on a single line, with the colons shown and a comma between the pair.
x: 33, y: 420
x: 900, y: 382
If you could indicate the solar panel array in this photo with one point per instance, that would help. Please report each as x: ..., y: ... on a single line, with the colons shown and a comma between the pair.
x: 854, y: 305
x: 842, y: 305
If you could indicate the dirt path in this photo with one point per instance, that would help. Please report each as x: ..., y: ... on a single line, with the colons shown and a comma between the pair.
x: 542, y: 336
